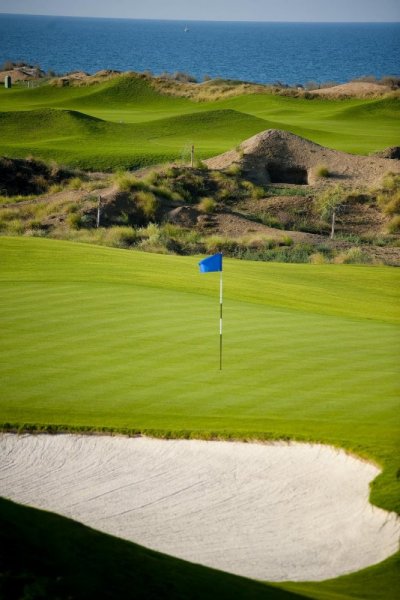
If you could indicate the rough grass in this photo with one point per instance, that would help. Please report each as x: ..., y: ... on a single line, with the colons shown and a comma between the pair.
x: 125, y: 122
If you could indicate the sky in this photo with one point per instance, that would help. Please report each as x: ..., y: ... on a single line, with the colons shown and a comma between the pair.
x: 214, y: 10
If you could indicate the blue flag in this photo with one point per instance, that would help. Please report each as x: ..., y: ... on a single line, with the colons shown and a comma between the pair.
x: 210, y: 264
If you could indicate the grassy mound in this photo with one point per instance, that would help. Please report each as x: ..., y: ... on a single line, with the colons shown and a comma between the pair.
x: 89, y: 142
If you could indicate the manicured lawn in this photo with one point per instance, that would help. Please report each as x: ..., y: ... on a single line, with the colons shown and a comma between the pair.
x: 99, y: 337
x: 96, y: 336
x: 134, y: 125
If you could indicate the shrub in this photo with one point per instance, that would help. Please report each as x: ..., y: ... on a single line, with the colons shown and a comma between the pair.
x: 75, y: 183
x: 74, y: 220
x: 201, y: 165
x: 217, y: 243
x: 126, y: 182
x: 184, y: 77
x: 353, y: 255
x: 15, y: 227
x: 55, y: 188
x: 286, y: 241
x: 257, y: 192
x: 207, y: 205
x: 321, y: 172
x: 390, y: 182
x: 153, y: 177
x: 234, y: 170
x: 121, y: 237
x: 40, y: 183
x: 270, y: 220
x: 152, y: 231
x: 330, y: 203
x: 394, y: 225
x: 392, y: 206
x: 164, y: 192
x: 147, y: 203
x: 317, y: 258
x: 389, y: 201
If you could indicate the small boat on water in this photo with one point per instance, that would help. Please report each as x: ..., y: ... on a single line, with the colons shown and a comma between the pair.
x: 186, y: 29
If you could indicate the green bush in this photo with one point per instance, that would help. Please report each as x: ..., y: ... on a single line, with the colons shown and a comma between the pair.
x: 352, y: 256
x: 234, y: 170
x: 126, y: 182
x: 147, y: 203
x: 389, y: 202
x: 40, y: 183
x: 268, y: 220
x: 153, y: 178
x: 164, y: 192
x: 394, y: 225
x: 390, y: 182
x: 55, y: 188
x: 217, y: 243
x: 121, y: 237
x: 321, y: 171
x: 317, y: 258
x: 257, y: 192
x: 74, y: 220
x: 75, y: 183
x: 207, y: 205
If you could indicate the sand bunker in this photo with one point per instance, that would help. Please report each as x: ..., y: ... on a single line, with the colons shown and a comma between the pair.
x: 267, y: 511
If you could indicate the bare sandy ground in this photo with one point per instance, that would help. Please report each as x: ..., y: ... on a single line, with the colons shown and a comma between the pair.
x: 358, y: 89
x: 266, y: 511
x: 283, y: 151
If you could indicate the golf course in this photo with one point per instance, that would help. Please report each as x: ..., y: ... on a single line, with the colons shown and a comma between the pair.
x: 100, y: 339
x: 126, y: 122
x: 270, y: 470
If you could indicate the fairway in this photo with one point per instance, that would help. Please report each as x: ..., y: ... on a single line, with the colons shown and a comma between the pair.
x: 125, y: 122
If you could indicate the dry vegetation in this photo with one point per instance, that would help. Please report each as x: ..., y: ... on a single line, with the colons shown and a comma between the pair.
x: 184, y: 85
x: 183, y: 210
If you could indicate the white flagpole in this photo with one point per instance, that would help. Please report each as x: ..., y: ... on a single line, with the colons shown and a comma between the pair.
x: 220, y: 321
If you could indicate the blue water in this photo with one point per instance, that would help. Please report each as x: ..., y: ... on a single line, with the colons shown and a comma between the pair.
x: 261, y: 52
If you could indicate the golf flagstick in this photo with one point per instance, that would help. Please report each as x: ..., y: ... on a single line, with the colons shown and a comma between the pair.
x: 210, y: 265
x: 220, y: 321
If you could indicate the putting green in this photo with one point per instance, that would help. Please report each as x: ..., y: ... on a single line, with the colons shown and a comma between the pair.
x: 99, y: 337
x: 124, y: 122
x: 102, y: 337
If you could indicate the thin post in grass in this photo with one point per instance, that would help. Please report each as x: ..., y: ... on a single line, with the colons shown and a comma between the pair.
x: 98, y: 213
x: 209, y: 265
x: 192, y: 156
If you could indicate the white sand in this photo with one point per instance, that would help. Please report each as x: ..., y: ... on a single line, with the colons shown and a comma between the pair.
x: 267, y: 511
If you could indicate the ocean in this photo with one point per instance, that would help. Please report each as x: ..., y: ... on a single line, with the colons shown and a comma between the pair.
x: 292, y: 53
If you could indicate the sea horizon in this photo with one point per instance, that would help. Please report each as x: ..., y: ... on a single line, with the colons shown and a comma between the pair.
x: 200, y: 20
x: 255, y: 51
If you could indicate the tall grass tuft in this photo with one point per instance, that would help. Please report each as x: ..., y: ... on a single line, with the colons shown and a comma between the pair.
x: 147, y: 203
x: 322, y: 171
x: 207, y: 205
